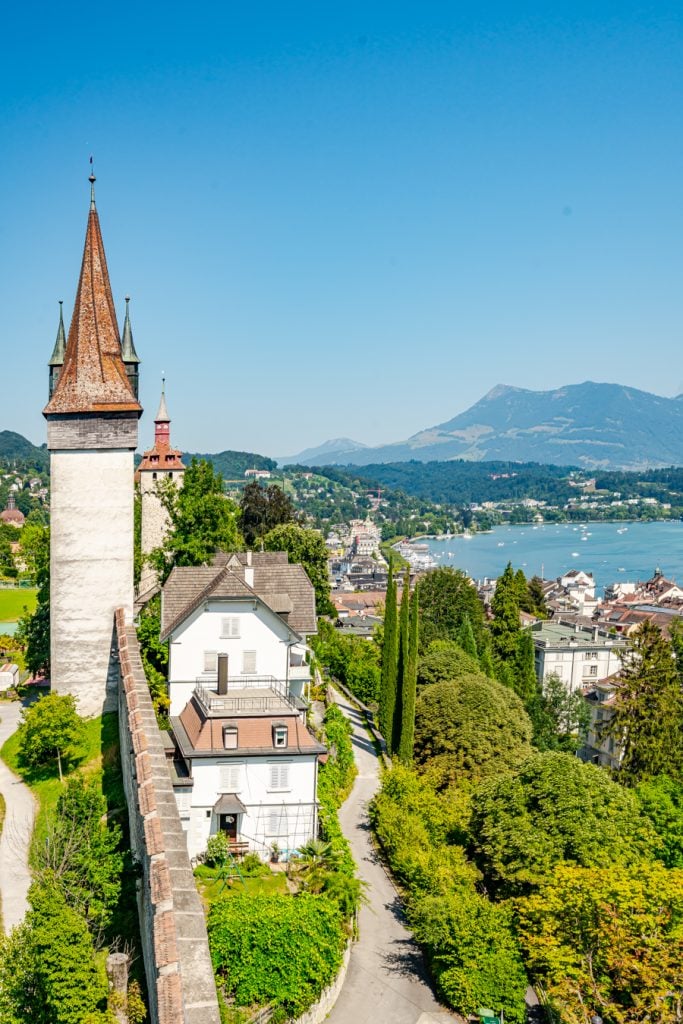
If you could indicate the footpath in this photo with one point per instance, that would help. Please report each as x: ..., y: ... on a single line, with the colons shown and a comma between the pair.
x: 386, y: 982
x: 20, y: 813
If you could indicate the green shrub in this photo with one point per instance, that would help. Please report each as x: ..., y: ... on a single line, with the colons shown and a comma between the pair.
x: 335, y: 780
x: 217, y: 850
x: 472, y: 952
x: 276, y: 949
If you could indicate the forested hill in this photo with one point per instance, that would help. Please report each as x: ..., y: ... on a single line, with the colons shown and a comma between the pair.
x: 459, y: 482
x: 16, y: 448
x: 232, y: 465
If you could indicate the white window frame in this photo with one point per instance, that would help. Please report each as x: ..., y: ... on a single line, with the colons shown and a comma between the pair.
x: 245, y: 662
x: 230, y: 776
x: 210, y: 659
x: 279, y: 777
x: 280, y: 733
x: 231, y: 731
x: 277, y: 822
x: 230, y: 627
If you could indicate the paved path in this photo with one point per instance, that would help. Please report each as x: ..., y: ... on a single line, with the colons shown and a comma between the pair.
x: 16, y: 834
x: 386, y: 983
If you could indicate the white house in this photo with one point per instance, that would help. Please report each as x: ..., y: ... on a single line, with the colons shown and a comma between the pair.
x: 600, y: 746
x: 243, y: 760
x: 9, y: 676
x: 578, y: 655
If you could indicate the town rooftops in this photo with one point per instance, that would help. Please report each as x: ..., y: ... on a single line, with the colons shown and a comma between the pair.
x: 563, y: 634
x: 284, y: 588
x: 93, y: 378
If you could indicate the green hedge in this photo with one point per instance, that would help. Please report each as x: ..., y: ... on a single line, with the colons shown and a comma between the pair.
x: 335, y: 780
x: 276, y: 950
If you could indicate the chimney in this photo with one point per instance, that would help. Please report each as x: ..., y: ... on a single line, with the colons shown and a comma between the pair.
x: 249, y: 575
x: 222, y: 675
x: 596, y: 630
x: 248, y: 557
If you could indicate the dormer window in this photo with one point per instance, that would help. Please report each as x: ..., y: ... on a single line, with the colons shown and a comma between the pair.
x: 230, y: 737
x: 279, y: 735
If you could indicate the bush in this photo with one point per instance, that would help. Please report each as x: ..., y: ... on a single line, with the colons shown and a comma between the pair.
x: 275, y: 949
x: 355, y: 662
x: 80, y: 851
x: 334, y: 784
x: 445, y: 660
x: 472, y: 952
x: 217, y: 850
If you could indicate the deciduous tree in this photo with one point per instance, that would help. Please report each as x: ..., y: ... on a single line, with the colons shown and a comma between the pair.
x: 446, y: 596
x: 607, y: 941
x: 50, y: 730
x: 554, y: 808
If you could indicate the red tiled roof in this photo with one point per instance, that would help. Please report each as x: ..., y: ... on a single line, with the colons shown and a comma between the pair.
x: 93, y: 378
x: 254, y: 734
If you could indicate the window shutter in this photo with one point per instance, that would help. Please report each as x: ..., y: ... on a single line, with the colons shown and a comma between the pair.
x: 210, y: 661
x: 231, y: 777
x: 279, y: 776
x: 230, y: 627
x: 248, y: 663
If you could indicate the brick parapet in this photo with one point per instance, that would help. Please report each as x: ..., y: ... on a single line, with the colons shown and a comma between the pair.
x: 175, y: 944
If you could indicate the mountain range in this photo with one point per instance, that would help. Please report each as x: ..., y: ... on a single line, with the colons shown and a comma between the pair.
x: 594, y: 426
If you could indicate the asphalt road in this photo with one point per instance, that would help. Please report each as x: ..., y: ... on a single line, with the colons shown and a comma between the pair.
x: 16, y: 834
x: 386, y: 981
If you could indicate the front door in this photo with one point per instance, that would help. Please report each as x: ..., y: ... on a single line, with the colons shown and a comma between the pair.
x: 228, y: 824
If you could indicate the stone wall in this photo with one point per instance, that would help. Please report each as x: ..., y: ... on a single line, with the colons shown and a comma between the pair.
x: 175, y: 945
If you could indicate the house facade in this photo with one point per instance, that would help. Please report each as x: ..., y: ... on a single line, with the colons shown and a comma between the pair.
x: 242, y: 758
x: 578, y: 655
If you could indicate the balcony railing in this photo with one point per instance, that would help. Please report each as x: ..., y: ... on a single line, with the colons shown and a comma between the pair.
x: 264, y: 699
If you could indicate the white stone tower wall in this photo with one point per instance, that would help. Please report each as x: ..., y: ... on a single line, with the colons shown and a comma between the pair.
x: 154, y: 520
x: 91, y: 569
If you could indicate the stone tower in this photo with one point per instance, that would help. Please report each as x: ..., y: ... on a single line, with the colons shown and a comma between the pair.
x: 92, y: 432
x: 158, y: 464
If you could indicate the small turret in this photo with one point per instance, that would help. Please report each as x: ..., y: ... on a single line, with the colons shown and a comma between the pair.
x: 57, y: 358
x: 128, y: 353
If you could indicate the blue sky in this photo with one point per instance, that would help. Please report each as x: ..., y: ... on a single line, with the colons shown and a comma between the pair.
x: 349, y: 219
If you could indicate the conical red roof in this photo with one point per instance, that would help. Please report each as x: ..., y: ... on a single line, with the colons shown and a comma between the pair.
x: 93, y: 378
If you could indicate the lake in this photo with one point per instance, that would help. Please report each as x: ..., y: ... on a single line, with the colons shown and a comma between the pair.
x: 611, y: 551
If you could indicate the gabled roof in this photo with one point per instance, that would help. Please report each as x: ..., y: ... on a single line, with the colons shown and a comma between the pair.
x: 93, y: 378
x: 285, y: 589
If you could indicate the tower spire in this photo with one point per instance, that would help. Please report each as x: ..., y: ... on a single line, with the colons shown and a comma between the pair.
x: 128, y: 353
x: 93, y: 378
x: 57, y: 358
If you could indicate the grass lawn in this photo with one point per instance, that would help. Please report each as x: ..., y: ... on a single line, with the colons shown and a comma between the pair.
x: 98, y: 752
x: 12, y: 603
x: 211, y: 886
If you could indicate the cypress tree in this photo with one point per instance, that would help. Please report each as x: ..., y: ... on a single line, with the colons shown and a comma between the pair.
x: 486, y: 660
x: 387, y: 696
x: 405, y: 747
x: 402, y: 668
x: 466, y: 638
x: 525, y: 673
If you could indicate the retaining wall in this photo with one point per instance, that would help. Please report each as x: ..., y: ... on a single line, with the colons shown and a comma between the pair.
x: 178, y: 966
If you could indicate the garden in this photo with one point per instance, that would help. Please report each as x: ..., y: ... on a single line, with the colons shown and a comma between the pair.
x: 277, y: 932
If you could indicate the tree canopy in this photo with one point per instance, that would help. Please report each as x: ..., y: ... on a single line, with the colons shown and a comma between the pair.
x: 607, y: 941
x: 445, y: 660
x: 50, y: 729
x: 447, y: 597
x: 554, y: 808
x: 648, y: 709
x: 471, y: 727
x: 262, y: 509
x: 202, y: 520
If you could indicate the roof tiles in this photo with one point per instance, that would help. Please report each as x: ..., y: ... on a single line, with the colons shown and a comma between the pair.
x: 93, y: 378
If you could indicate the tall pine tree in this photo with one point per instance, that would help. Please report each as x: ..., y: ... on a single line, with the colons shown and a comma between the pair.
x: 405, y: 746
x: 648, y: 710
x: 525, y: 684
x: 403, y: 663
x: 387, y: 693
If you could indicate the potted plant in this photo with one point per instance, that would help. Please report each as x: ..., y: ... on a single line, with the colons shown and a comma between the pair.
x: 274, y: 853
